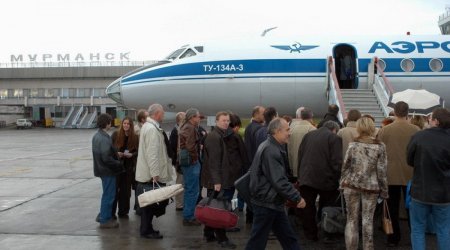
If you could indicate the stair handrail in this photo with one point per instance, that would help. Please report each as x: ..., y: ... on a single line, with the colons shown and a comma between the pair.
x: 83, y: 117
x: 381, y: 86
x: 334, y: 94
x: 92, y: 118
x: 68, y: 116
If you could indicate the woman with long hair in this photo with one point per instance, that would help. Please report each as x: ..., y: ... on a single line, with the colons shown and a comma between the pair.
x: 363, y: 180
x: 126, y: 142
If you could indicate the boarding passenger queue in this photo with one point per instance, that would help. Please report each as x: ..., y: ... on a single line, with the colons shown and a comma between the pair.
x: 309, y: 167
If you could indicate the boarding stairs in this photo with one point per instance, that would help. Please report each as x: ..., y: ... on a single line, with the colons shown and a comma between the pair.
x: 372, y: 101
x: 364, y: 100
x: 89, y: 120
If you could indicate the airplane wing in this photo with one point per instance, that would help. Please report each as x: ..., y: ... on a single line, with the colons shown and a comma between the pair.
x: 282, y: 47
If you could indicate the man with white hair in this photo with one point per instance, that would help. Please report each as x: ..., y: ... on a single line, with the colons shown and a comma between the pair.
x: 154, y: 167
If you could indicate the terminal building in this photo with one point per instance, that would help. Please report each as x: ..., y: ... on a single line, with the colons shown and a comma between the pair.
x: 61, y: 94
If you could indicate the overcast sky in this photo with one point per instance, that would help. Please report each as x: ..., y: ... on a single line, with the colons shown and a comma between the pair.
x: 151, y: 29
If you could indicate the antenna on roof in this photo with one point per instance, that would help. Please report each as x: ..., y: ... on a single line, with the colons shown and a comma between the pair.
x: 267, y: 30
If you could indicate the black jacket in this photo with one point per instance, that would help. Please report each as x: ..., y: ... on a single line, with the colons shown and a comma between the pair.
x: 320, y: 160
x: 105, y: 155
x: 250, y: 139
x: 217, y: 167
x: 269, y: 184
x: 429, y: 154
x: 330, y: 117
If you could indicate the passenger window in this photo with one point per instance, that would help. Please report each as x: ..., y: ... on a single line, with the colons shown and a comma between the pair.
x: 436, y: 65
x: 407, y: 65
x: 188, y: 53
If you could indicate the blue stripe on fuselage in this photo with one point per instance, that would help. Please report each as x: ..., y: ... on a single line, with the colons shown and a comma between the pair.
x: 248, y: 67
x: 268, y: 66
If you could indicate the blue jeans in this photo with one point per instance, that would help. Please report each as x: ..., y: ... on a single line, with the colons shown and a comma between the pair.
x: 108, y: 196
x: 191, y: 176
x: 265, y: 220
x: 418, y: 215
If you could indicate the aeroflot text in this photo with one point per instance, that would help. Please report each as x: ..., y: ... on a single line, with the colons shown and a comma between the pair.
x: 404, y: 47
x: 79, y: 57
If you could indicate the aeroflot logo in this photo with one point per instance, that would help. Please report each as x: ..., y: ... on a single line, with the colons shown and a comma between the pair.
x: 404, y: 47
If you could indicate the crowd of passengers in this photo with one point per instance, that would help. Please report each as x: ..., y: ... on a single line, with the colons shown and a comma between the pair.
x: 291, y: 161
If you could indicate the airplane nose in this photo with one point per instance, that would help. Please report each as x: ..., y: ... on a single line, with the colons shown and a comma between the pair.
x: 114, y: 90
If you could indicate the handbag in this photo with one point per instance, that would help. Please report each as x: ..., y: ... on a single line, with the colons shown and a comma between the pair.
x: 387, y: 223
x: 157, y: 194
x: 334, y: 219
x: 216, y: 212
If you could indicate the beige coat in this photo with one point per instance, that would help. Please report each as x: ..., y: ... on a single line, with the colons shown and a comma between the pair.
x: 396, y: 137
x: 299, y: 128
x: 152, y: 157
x: 348, y: 134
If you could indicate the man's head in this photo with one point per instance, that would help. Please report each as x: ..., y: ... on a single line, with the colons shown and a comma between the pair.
x: 298, y: 113
x: 179, y: 117
x: 269, y: 114
x: 104, y: 121
x: 332, y: 126
x: 306, y: 114
x: 440, y: 118
x: 401, y: 109
x: 279, y: 129
x: 258, y: 114
x: 333, y: 109
x: 142, y: 115
x: 156, y: 112
x: 193, y: 116
x: 222, y: 120
x: 353, y: 115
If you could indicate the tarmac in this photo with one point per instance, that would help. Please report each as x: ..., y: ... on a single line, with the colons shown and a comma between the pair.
x: 49, y: 199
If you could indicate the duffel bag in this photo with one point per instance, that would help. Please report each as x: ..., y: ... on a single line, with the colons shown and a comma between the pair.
x: 216, y: 212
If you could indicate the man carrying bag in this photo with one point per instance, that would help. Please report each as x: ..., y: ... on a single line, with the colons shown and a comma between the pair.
x: 270, y: 188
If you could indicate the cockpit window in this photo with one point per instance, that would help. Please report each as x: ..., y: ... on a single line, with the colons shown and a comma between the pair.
x: 199, y: 48
x: 188, y: 53
x: 174, y: 55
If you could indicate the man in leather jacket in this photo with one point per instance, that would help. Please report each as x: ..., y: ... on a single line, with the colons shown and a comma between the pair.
x: 270, y: 189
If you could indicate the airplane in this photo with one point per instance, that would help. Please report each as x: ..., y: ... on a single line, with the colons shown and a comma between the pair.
x: 285, y: 73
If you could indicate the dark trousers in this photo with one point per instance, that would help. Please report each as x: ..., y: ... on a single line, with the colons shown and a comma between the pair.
x: 310, y: 212
x: 219, y: 233
x: 147, y: 212
x: 123, y: 193
x: 266, y: 220
x: 394, y: 207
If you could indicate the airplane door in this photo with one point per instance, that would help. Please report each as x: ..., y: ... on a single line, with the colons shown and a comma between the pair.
x: 346, y: 66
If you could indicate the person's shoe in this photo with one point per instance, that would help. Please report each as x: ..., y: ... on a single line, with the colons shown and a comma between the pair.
x: 123, y: 216
x: 109, y: 224
x: 154, y: 235
x: 97, y: 219
x: 210, y: 238
x: 233, y: 229
x: 192, y: 222
x: 179, y: 209
x: 227, y: 244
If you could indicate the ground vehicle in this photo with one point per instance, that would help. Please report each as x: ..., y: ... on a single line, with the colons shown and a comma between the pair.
x: 23, y: 123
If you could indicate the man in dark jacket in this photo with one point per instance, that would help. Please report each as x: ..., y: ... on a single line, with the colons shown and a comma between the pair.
x: 251, y: 129
x: 319, y: 170
x: 219, y: 172
x: 333, y: 111
x: 270, y: 189
x: 429, y: 154
x: 106, y: 166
